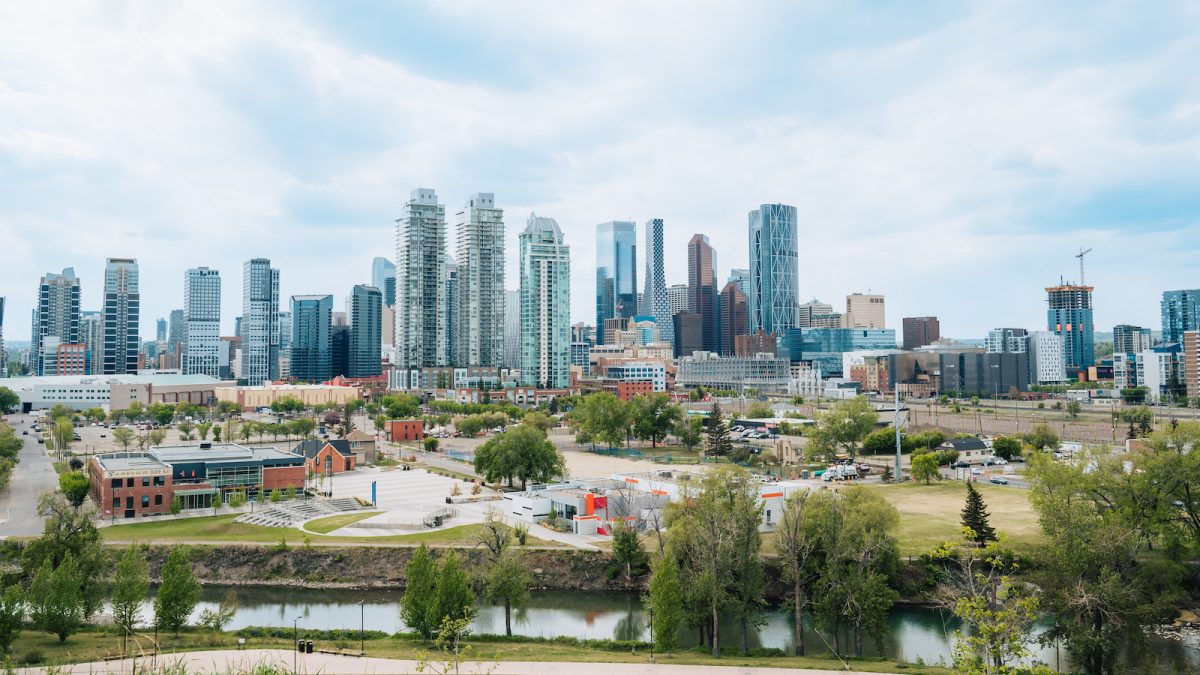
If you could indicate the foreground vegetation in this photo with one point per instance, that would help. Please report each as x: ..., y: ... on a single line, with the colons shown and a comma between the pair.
x: 929, y: 514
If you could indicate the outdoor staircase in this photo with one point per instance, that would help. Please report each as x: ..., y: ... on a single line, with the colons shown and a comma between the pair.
x: 294, y: 512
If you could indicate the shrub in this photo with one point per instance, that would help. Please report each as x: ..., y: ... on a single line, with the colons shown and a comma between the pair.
x: 32, y: 657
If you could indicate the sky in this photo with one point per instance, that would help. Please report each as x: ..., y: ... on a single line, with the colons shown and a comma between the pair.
x: 952, y: 156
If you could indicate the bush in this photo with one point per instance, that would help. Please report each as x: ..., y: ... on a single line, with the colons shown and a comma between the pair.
x: 32, y: 657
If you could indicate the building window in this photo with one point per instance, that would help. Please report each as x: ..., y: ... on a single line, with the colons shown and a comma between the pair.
x: 116, y: 502
x: 145, y: 481
x: 129, y: 502
x: 116, y: 482
x: 158, y: 500
x: 128, y: 482
x: 145, y: 501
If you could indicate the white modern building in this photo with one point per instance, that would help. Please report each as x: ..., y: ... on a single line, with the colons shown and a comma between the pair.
x: 202, y: 322
x: 422, y: 330
x: 653, y: 372
x: 678, y: 298
x: 545, y: 272
x: 1047, y: 361
x: 480, y: 304
x: 260, y: 322
x: 111, y: 392
x: 1007, y: 341
x: 763, y: 372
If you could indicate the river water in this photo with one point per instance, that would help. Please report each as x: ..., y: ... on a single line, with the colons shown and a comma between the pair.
x: 915, y: 634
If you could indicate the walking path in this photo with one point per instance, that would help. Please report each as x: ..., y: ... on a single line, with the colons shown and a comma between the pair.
x: 244, y: 661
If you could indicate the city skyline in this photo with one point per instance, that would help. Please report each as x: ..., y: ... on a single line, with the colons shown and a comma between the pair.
x: 890, y: 143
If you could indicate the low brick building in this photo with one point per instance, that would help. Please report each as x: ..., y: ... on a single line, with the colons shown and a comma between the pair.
x: 405, y: 430
x: 326, y: 456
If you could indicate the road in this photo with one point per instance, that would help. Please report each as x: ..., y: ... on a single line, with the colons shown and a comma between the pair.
x: 34, y: 475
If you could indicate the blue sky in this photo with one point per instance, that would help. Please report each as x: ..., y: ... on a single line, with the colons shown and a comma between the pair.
x: 952, y: 156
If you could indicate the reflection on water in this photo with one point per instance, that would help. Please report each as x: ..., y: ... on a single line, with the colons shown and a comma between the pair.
x: 914, y: 633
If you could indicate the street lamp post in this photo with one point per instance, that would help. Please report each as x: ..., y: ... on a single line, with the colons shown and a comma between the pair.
x: 296, y: 639
x: 362, y: 638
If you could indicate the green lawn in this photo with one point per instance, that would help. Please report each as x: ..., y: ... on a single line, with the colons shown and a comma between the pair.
x: 327, y: 525
x: 222, y: 529
x: 930, y: 514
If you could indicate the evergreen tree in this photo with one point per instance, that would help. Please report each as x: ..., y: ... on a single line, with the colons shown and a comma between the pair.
x: 129, y: 589
x: 12, y: 616
x: 62, y: 609
x: 666, y: 603
x: 419, y: 603
x: 627, y: 550
x: 179, y: 593
x: 975, y: 517
x: 455, y: 597
x: 717, y: 434
x: 508, y: 582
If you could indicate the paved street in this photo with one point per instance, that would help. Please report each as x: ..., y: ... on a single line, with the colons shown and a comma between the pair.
x: 33, y: 476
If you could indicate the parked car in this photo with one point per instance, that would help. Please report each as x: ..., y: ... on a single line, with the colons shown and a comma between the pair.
x: 960, y: 464
x: 977, y: 471
x: 999, y: 480
x: 41, y: 440
x: 24, y: 432
x: 995, y: 461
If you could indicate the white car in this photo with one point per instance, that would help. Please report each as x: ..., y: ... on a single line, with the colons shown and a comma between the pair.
x: 996, y: 461
x: 976, y: 471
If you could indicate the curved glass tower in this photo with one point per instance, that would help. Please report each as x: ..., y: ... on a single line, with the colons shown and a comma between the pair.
x: 774, y: 300
x: 545, y: 273
x: 616, y: 271
x: 655, y: 302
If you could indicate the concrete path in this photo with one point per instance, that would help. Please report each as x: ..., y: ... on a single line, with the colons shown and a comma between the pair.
x: 245, y: 661
x: 33, y: 475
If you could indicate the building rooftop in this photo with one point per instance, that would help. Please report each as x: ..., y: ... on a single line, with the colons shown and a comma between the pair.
x: 227, y: 452
x: 131, y: 462
x: 166, y: 380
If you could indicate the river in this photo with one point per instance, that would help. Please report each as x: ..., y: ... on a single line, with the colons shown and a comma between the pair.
x: 915, y: 634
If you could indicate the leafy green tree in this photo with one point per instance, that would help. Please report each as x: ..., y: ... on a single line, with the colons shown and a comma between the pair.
x: 666, y: 603
x: 844, y: 426
x: 541, y: 420
x: 1042, y: 438
x: 75, y: 487
x: 418, y: 606
x: 1073, y: 408
x: 716, y: 433
x: 975, y: 517
x: 123, y: 436
x: 455, y: 598
x: 1139, y: 418
x: 9, y: 401
x: 303, y: 426
x: 12, y: 616
x: 62, y: 435
x: 690, y: 432
x: 654, y: 416
x: 925, y: 467
x: 61, y: 607
x: 179, y: 592
x: 129, y: 590
x: 802, y: 541
x: 508, y: 583
x: 883, y: 442
x: 431, y: 444
x: 1006, y: 447
x: 226, y: 610
x: 604, y: 417
x: 202, y: 429
x: 927, y: 440
x: 70, y: 532
x: 627, y: 550
x: 520, y: 453
x: 216, y: 433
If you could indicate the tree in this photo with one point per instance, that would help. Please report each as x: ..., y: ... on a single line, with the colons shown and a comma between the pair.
x: 520, y: 453
x: 925, y: 467
x: 129, y: 590
x: 216, y: 433
x: 179, y: 592
x: 123, y: 436
x: 927, y: 440
x: 1006, y: 447
x: 883, y: 442
x: 61, y: 609
x: 975, y: 518
x: 226, y: 408
x: 508, y: 582
x: 417, y: 607
x: 12, y: 616
x: 666, y: 603
x: 1041, y: 438
x: 202, y: 428
x: 604, y: 417
x: 1073, y: 408
x: 716, y: 434
x: 9, y: 401
x: 185, y: 430
x: 226, y: 610
x: 802, y: 541
x: 540, y: 420
x: 654, y: 416
x: 690, y: 431
x: 431, y: 444
x: 455, y: 598
x: 303, y: 427
x: 1139, y: 418
x: 627, y: 550
x: 75, y: 487
x: 63, y: 434
x: 68, y: 532
x: 845, y: 425
x: 759, y: 411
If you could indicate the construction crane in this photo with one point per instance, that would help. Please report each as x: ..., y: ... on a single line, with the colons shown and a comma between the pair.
x: 1080, y: 256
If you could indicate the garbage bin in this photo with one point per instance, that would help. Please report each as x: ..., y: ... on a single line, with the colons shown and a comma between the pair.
x: 804, y: 473
x: 300, y: 646
x: 308, y: 646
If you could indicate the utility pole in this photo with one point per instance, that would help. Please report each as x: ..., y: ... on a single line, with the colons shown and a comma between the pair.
x: 897, y: 425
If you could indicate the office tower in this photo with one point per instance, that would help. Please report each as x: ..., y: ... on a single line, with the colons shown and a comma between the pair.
x: 1007, y: 340
x: 91, y: 333
x: 479, y: 306
x: 3, y: 353
x: 702, y: 289
x: 920, y: 331
x: 864, y: 311
x: 160, y: 330
x: 176, y: 331
x: 1129, y: 339
x: 201, y: 321
x: 339, y: 350
x: 260, y: 322
x: 312, y: 344
x: 677, y: 297
x: 237, y: 326
x: 366, y: 334
x: 284, y: 333
x: 545, y: 271
x: 451, y: 311
x: 808, y: 314
x: 735, y: 318
x: 383, y: 277
x: 616, y: 270
x: 1180, y: 312
x: 512, y: 329
x: 1191, y: 363
x: 741, y: 277
x: 654, y: 297
x: 611, y: 327
x: 1046, y: 364
x: 122, y: 316
x: 689, y: 333
x: 1070, y: 315
x: 421, y: 329
x: 774, y: 269
x: 56, y: 314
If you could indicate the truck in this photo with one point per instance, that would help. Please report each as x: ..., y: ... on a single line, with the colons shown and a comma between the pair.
x: 840, y: 472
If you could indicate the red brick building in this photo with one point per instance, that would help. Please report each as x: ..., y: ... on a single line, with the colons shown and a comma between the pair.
x: 326, y: 456
x: 405, y: 430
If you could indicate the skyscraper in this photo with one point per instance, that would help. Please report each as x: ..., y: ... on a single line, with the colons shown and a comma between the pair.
x: 312, y: 355
x: 56, y: 314
x: 260, y: 322
x: 864, y: 311
x: 201, y: 321
x: 616, y: 270
x: 512, y: 329
x: 774, y: 268
x: 339, y: 350
x: 654, y: 299
x: 677, y: 297
x: 1070, y: 315
x: 920, y: 331
x: 1130, y: 339
x: 702, y: 287
x: 3, y: 353
x: 1180, y: 312
x: 176, y: 330
x: 741, y: 277
x: 734, y: 316
x: 451, y: 311
x: 160, y: 330
x: 91, y: 333
x: 383, y: 277
x: 284, y: 333
x: 421, y: 330
x: 545, y: 270
x: 366, y: 333
x: 479, y: 324
x: 122, y: 316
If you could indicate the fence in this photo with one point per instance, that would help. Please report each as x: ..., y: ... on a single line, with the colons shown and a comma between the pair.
x: 433, y: 517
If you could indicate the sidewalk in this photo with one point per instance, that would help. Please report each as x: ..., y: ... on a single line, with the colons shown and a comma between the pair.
x: 244, y: 661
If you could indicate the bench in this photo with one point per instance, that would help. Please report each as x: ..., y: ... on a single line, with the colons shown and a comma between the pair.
x: 340, y: 652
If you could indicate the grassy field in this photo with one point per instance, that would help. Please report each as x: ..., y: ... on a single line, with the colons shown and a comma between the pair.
x: 94, y: 646
x: 222, y: 529
x: 327, y: 525
x: 930, y: 514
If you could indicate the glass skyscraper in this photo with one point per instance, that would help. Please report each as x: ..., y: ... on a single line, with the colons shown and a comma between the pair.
x: 312, y: 358
x: 616, y: 270
x: 422, y: 315
x: 773, y: 295
x: 122, y: 317
x: 479, y: 308
x: 702, y: 291
x: 654, y: 299
x: 1180, y: 312
x: 202, y: 322
x: 366, y: 333
x: 260, y: 322
x: 383, y: 277
x: 545, y: 274
x: 1070, y: 316
x: 56, y: 314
